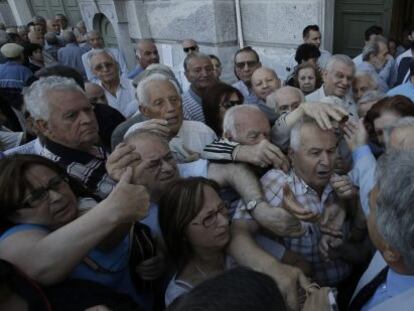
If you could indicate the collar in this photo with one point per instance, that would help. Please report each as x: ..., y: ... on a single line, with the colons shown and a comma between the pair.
x: 397, y: 283
x: 73, y: 155
x: 299, y: 186
x: 194, y: 95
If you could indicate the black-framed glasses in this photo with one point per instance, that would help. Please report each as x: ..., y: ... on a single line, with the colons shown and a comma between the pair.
x: 211, y: 219
x: 230, y: 103
x: 190, y: 48
x: 40, y: 194
x: 250, y: 64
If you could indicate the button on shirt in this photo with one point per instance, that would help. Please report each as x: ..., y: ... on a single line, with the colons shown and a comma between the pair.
x: 326, y: 273
x: 192, y: 106
x: 124, y: 100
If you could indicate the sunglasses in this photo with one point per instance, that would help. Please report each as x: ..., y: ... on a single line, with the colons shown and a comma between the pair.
x: 250, y: 64
x: 190, y: 48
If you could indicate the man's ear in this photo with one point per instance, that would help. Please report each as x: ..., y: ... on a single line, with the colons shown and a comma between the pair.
x: 143, y: 110
x: 43, y: 127
x: 390, y: 254
x: 228, y: 136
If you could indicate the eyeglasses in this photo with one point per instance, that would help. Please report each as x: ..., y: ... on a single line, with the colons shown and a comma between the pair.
x: 230, y: 103
x: 42, y: 193
x: 190, y: 48
x: 250, y: 64
x: 211, y: 219
x: 105, y: 65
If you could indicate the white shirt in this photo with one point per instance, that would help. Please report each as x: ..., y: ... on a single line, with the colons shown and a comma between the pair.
x: 124, y: 100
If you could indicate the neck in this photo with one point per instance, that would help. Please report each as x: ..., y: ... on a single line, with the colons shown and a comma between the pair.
x: 196, y: 90
x: 208, y: 260
x: 111, y: 86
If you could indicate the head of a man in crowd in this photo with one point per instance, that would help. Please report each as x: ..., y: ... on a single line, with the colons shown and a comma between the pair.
x: 161, y: 170
x: 264, y: 82
x: 369, y: 99
x: 285, y: 99
x: 40, y: 21
x: 246, y: 61
x: 362, y: 83
x: 372, y: 32
x: 199, y: 71
x: 36, y: 37
x: 159, y: 98
x: 313, y: 153
x: 400, y: 136
x: 53, y: 25
x: 95, y: 40
x: 68, y: 37
x: 216, y: 65
x: 62, y: 20
x: 375, y: 52
x: 51, y: 39
x: 246, y: 124
x: 23, y: 31
x: 391, y: 214
x: 95, y: 94
x: 13, y: 52
x: 338, y: 75
x: 312, y: 35
x: 62, y: 112
x: 104, y: 66
x: 190, y: 46
x: 147, y: 53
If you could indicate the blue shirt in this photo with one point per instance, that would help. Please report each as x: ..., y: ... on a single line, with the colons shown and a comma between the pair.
x: 394, y: 285
x: 14, y: 75
x: 71, y: 55
x: 406, y: 89
x: 137, y: 70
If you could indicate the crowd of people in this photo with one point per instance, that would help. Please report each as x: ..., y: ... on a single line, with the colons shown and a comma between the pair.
x: 138, y: 189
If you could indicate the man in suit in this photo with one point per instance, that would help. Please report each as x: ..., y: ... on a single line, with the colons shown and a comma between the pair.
x: 389, y: 280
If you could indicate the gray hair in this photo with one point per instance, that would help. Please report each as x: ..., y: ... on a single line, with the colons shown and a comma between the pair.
x: 273, y: 99
x: 93, y: 32
x: 36, y: 96
x: 372, y: 48
x: 395, y: 213
x: 339, y: 58
x: 192, y: 56
x: 68, y: 36
x: 229, y: 120
x: 363, y: 73
x: 95, y: 52
x: 400, y: 124
x: 137, y: 134
x: 153, y: 69
x: 371, y: 96
x: 141, y: 92
x: 296, y: 132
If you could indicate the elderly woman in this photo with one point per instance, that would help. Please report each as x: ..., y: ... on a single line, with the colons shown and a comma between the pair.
x: 307, y: 78
x: 194, y: 223
x: 52, y: 232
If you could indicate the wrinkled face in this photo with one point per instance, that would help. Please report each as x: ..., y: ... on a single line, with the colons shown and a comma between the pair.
x: 147, y: 54
x: 161, y: 171
x: 338, y: 80
x: 210, y: 228
x: 288, y: 101
x: 72, y: 121
x: 200, y: 73
x: 307, y: 80
x: 96, y: 41
x: 374, y: 234
x: 264, y: 82
x: 315, y: 158
x: 95, y: 94
x: 364, y: 107
x: 384, y: 121
x: 314, y: 37
x: 251, y: 127
x: 164, y: 102
x: 104, y: 68
x: 361, y: 85
x: 245, y: 64
x: 216, y: 67
x: 53, y: 209
x: 379, y: 60
x: 37, y: 55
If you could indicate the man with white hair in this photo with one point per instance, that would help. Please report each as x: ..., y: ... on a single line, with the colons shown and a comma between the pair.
x: 95, y: 41
x: 285, y: 99
x: 337, y: 78
x: 374, y: 58
x: 362, y: 83
x: 119, y: 91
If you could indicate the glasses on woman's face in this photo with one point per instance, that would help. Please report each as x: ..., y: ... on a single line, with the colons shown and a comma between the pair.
x: 211, y: 219
x: 39, y: 195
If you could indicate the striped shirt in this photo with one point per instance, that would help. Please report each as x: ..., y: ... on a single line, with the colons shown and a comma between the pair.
x: 87, y: 168
x: 192, y: 107
x: 325, y: 273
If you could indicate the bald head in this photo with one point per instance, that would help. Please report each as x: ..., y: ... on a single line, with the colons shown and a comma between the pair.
x: 147, y: 53
x: 264, y: 82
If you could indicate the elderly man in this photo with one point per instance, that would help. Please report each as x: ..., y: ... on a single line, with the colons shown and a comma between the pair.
x: 285, y: 99
x: 118, y: 90
x: 406, y: 89
x: 264, y: 82
x: 374, y: 57
x: 363, y: 82
x: 12, y: 73
x: 370, y: 34
x: 246, y: 61
x: 200, y: 73
x: 147, y: 54
x: 369, y: 99
x: 71, y: 54
x: 311, y: 35
x: 161, y: 111
x: 312, y: 154
x: 388, y: 282
x: 95, y: 40
x: 337, y: 78
x: 95, y: 94
x: 64, y: 116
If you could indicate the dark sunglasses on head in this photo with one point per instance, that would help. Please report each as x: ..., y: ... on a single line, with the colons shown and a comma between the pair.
x: 250, y: 64
x: 190, y: 48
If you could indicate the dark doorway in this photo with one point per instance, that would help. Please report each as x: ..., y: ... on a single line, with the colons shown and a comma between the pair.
x: 402, y: 19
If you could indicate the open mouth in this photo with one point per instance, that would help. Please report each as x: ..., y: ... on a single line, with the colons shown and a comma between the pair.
x: 324, y: 174
x: 173, y: 120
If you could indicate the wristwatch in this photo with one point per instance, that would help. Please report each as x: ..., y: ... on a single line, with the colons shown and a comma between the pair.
x: 251, y: 205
